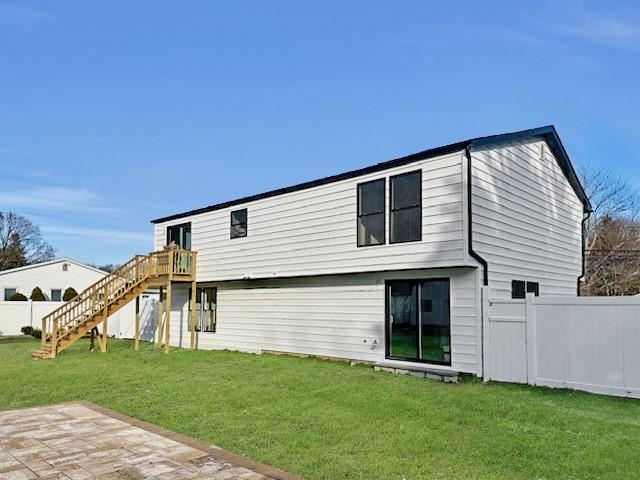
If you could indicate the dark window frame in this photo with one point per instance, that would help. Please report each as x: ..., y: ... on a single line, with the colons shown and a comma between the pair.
x: 392, y: 210
x: 387, y: 313
x: 245, y: 223
x: 59, y: 296
x: 183, y: 226
x: 533, y: 287
x: 383, y: 212
x: 516, y: 285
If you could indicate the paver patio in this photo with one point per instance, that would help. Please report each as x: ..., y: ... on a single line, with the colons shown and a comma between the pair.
x: 81, y: 441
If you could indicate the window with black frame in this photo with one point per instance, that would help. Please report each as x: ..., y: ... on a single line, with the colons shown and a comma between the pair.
x: 406, y: 207
x: 180, y: 235
x: 239, y: 223
x: 371, y: 213
x: 206, y: 300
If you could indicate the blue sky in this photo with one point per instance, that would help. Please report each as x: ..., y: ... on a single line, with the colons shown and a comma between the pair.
x: 115, y: 113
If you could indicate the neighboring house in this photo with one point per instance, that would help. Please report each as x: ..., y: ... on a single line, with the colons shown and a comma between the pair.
x: 387, y: 263
x: 53, y: 278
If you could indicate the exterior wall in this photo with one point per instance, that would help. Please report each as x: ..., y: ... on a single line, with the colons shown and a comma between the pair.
x: 326, y: 316
x: 48, y: 276
x: 527, y: 219
x: 313, y: 231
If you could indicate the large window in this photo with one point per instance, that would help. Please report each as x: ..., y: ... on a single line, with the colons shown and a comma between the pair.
x: 406, y: 207
x: 419, y: 320
x: 371, y: 213
x: 180, y: 235
x: 239, y: 223
x: 206, y: 299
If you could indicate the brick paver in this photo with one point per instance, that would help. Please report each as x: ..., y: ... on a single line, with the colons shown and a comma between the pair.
x: 81, y: 441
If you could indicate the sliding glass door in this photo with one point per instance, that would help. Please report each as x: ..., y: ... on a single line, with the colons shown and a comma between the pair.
x: 418, y: 320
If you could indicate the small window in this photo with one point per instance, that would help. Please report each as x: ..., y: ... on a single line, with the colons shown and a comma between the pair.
x: 56, y: 294
x: 239, y: 223
x: 533, y: 287
x: 9, y: 292
x: 206, y: 299
x: 180, y: 235
x: 518, y: 289
x: 371, y: 213
x: 406, y: 207
x: 65, y: 267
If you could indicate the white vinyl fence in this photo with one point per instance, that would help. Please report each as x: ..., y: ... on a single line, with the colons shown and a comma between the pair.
x: 584, y: 343
x: 15, y: 315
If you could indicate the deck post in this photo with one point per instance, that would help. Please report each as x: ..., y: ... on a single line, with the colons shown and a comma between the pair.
x: 167, y: 322
x: 137, y: 338
x: 159, y: 326
x: 105, y: 312
x: 193, y: 302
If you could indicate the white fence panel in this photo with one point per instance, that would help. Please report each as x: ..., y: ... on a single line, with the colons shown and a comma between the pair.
x: 584, y: 343
x: 507, y: 359
x: 14, y: 316
x: 589, y: 344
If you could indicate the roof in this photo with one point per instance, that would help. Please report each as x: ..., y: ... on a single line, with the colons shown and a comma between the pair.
x: 51, y: 262
x: 548, y: 132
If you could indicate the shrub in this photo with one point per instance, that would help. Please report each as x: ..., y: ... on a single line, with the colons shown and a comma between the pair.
x: 69, y: 294
x: 28, y: 330
x: 37, y: 295
x: 36, y: 332
x: 18, y: 297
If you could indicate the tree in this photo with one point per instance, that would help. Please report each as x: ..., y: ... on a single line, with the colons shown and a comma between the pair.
x: 612, y: 234
x: 37, y: 295
x: 109, y: 267
x: 21, y: 242
x: 69, y: 294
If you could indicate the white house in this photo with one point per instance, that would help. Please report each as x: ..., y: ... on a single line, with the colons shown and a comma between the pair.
x: 388, y: 263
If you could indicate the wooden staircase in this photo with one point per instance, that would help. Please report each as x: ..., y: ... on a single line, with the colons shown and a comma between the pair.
x: 76, y: 318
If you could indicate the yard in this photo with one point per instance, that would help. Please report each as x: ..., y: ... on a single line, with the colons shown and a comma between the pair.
x: 328, y: 420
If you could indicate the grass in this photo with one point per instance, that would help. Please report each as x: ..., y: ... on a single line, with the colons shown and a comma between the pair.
x: 328, y: 420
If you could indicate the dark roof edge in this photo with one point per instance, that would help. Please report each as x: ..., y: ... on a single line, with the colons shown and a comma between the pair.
x: 548, y: 133
x: 416, y: 157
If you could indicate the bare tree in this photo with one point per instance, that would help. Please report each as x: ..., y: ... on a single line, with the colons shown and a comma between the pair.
x: 21, y: 242
x: 612, y: 236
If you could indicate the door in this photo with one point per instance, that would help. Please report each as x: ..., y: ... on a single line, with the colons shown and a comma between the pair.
x: 418, y: 321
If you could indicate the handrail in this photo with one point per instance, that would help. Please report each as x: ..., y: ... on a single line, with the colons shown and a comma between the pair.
x: 110, y: 288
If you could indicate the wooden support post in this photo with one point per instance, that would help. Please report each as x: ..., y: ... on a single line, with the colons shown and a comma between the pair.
x: 193, y: 315
x: 54, y: 337
x: 159, y: 326
x: 105, y: 313
x: 137, y: 338
x: 167, y: 322
x: 194, y: 289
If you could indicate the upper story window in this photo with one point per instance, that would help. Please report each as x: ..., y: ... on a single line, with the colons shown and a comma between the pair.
x: 371, y: 213
x: 239, y: 223
x: 180, y: 235
x: 406, y: 207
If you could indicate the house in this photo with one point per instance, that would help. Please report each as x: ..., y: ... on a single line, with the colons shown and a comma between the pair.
x: 388, y: 263
x: 53, y: 278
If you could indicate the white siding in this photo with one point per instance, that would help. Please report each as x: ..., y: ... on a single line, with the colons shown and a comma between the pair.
x: 526, y: 218
x: 313, y: 231
x: 326, y: 316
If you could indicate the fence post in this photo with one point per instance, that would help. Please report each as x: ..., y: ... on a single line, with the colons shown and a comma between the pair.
x: 486, y: 335
x: 530, y: 319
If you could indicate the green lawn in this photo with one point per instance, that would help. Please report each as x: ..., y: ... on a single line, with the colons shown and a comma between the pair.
x: 328, y: 420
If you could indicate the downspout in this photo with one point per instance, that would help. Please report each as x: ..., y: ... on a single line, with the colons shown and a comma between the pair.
x: 472, y: 252
x: 585, y: 219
